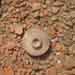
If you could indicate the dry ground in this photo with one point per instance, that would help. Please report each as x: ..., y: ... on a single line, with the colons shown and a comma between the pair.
x: 57, y: 17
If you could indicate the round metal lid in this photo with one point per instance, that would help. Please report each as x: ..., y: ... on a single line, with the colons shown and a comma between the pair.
x: 35, y: 41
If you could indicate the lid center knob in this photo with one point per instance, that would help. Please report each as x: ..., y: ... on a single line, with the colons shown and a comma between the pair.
x: 36, y: 43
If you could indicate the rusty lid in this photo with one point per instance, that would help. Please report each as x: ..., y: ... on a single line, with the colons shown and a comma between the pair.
x: 35, y: 41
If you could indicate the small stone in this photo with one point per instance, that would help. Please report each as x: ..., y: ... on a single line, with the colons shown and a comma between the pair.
x: 28, y: 66
x: 54, y: 18
x: 51, y: 31
x: 69, y: 23
x: 73, y: 37
x: 26, y: 62
x: 1, y: 71
x: 59, y: 67
x: 51, y: 71
x: 58, y: 3
x: 72, y: 48
x: 59, y: 61
x: 72, y: 14
x: 42, y: 73
x: 45, y: 12
x: 44, y: 6
x: 69, y: 51
x: 35, y: 6
x: 74, y: 28
x: 68, y: 72
x: 73, y: 71
x: 18, y: 29
x: 11, y: 44
x: 35, y: 67
x: 67, y: 40
x: 59, y: 47
x: 33, y: 73
x: 73, y: 21
x: 55, y: 10
x: 8, y: 71
x: 35, y: 14
x: 69, y: 62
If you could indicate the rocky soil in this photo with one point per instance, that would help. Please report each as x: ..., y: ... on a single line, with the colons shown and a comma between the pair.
x: 56, y: 17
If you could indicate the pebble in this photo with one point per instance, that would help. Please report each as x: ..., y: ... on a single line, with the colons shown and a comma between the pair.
x: 18, y: 29
x: 58, y: 3
x: 35, y: 67
x: 59, y: 61
x: 8, y: 71
x: 69, y: 62
x: 72, y: 14
x: 74, y: 28
x: 59, y: 67
x: 35, y: 6
x: 60, y: 47
x: 51, y: 71
x: 72, y: 49
x: 55, y: 10
x: 67, y: 38
x: 73, y: 37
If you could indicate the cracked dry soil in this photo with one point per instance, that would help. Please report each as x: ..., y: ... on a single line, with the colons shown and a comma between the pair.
x: 57, y: 17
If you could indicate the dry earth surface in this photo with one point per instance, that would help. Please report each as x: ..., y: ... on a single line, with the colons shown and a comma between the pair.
x: 56, y: 17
